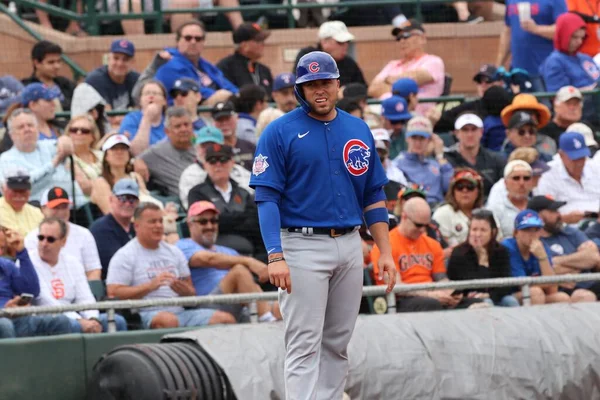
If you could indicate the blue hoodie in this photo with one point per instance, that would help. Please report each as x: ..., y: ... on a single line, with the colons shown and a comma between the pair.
x: 181, y: 67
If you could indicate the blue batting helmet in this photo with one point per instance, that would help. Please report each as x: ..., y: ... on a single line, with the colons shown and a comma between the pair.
x: 311, y: 67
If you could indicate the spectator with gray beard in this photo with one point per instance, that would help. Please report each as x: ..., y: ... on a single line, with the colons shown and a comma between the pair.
x: 167, y: 159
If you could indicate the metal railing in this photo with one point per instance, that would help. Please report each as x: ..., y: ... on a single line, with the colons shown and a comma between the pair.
x: 251, y: 298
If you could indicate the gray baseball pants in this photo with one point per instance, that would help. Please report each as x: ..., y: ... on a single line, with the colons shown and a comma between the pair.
x: 320, y: 313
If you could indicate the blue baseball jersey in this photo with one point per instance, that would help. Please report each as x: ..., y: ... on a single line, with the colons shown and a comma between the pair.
x: 324, y: 171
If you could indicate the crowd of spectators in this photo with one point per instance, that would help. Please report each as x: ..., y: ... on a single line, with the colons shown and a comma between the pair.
x: 156, y: 203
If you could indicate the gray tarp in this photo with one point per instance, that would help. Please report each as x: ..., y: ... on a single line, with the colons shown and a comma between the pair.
x: 542, y: 352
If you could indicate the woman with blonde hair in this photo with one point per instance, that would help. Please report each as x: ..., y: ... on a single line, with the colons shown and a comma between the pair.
x: 84, y: 133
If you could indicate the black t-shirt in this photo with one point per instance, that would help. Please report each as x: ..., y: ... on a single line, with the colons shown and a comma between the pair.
x: 118, y: 95
x: 240, y: 71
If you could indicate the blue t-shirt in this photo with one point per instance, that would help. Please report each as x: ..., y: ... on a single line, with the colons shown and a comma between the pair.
x: 205, y: 278
x: 567, y: 242
x: 110, y: 237
x: 520, y: 267
x: 118, y: 95
x: 17, y: 280
x: 426, y: 172
x: 561, y: 69
x: 41, y: 136
x: 529, y: 50
x: 324, y: 171
x: 132, y: 121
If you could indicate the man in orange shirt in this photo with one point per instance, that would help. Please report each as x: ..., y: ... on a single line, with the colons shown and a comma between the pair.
x: 419, y: 259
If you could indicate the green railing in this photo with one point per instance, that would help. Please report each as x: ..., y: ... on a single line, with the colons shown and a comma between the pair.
x: 78, y: 72
x: 92, y: 17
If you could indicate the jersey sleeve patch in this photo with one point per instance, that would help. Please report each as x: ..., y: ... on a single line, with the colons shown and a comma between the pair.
x: 260, y: 164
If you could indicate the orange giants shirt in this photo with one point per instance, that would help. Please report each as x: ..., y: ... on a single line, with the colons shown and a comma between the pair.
x: 416, y: 260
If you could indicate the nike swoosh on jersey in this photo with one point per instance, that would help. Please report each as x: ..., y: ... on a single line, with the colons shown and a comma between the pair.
x: 304, y: 134
x: 270, y: 251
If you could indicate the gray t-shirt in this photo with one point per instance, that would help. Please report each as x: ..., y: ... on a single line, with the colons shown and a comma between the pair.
x: 166, y: 164
x: 135, y: 265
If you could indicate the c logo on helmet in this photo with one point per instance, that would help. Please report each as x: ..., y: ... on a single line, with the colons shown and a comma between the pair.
x: 314, y: 67
x: 356, y: 157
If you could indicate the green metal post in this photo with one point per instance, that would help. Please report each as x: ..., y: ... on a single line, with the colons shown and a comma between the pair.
x: 92, y: 24
x: 290, y: 15
x: 158, y: 21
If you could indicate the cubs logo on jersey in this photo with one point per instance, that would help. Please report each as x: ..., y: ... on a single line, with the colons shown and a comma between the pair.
x: 356, y: 157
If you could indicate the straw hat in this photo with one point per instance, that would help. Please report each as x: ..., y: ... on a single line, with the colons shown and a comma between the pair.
x: 527, y: 102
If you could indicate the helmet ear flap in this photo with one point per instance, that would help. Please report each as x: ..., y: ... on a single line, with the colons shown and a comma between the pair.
x: 300, y: 97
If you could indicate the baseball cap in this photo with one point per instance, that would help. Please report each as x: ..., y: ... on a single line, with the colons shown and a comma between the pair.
x: 54, y: 197
x: 538, y: 167
x: 115, y: 140
x: 516, y: 165
x: 208, y: 134
x: 355, y: 91
x: 380, y: 134
x: 126, y: 186
x: 520, y: 119
x: 218, y: 150
x: 395, y: 109
x: 123, y: 46
x: 528, y: 219
x: 487, y: 71
x: 585, y: 131
x: 573, y: 145
x: 407, y: 26
x: 36, y: 91
x: 284, y: 81
x: 17, y: 178
x: 467, y: 175
x: 404, y: 87
x: 419, y: 126
x: 201, y: 206
x: 539, y: 203
x: 336, y: 30
x: 468, y: 119
x: 222, y: 109
x: 249, y: 31
x: 410, y: 192
x: 185, y: 84
x: 566, y: 93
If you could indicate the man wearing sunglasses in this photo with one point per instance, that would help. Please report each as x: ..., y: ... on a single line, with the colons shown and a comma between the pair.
x: 518, y: 178
x: 220, y: 269
x: 80, y: 244
x: 115, y: 230
x: 239, y: 227
x: 186, y: 62
x: 523, y: 132
x: 415, y: 63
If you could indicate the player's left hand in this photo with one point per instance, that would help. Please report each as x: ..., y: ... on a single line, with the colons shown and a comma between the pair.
x: 387, y: 271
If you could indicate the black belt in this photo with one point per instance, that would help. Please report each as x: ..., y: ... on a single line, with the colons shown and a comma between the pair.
x: 333, y: 232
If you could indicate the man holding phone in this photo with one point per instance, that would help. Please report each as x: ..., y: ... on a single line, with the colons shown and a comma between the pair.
x: 18, y: 286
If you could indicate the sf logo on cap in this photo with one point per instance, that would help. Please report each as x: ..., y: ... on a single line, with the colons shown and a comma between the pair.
x: 314, y: 67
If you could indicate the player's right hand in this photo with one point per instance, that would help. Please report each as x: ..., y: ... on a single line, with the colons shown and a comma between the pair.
x: 279, y: 275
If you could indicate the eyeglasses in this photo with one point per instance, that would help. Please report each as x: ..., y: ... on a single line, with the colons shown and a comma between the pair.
x: 214, y: 160
x: 49, y: 239
x: 189, y: 38
x: 469, y: 186
x: 517, y: 178
x: 182, y: 93
x: 530, y: 131
x: 204, y: 221
x: 125, y: 198
x: 84, y: 131
x: 418, y: 225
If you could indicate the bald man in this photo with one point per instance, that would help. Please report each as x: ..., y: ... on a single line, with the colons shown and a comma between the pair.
x: 419, y: 259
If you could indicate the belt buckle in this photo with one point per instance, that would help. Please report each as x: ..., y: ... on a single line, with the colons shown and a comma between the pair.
x: 333, y: 233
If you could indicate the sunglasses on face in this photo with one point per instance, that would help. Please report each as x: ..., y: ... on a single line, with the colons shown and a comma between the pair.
x: 517, y: 178
x: 530, y: 131
x: 182, y: 93
x: 214, y: 160
x: 49, y: 239
x: 127, y: 199
x: 83, y: 131
x: 204, y: 221
x: 465, y: 186
x: 189, y: 38
x: 418, y: 225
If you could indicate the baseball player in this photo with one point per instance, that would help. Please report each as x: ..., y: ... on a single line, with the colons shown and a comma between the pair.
x: 317, y: 176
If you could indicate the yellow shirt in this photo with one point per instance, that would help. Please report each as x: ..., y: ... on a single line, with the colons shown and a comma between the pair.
x: 23, y: 221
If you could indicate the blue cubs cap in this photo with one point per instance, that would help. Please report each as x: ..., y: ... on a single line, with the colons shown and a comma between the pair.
x: 404, y: 87
x: 209, y: 134
x: 126, y: 186
x: 316, y: 65
x: 573, y: 145
x: 284, y: 81
x: 37, y: 91
x: 395, y: 109
x: 123, y: 46
x: 528, y: 219
x: 185, y: 85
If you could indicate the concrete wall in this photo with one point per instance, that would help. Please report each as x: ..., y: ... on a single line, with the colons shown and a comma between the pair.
x: 463, y: 48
